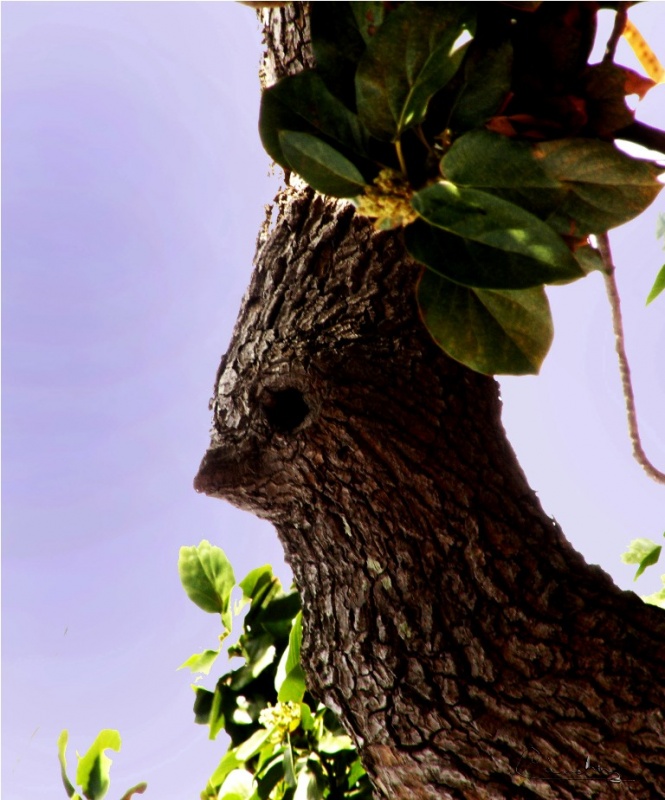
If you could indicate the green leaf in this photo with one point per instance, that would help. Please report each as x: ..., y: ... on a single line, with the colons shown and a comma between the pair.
x: 307, y: 787
x: 289, y: 768
x: 138, y: 789
x: 238, y: 785
x: 207, y: 576
x: 62, y: 748
x: 254, y: 581
x: 643, y: 552
x: 657, y: 598
x: 487, y: 160
x: 369, y: 17
x: 338, y: 45
x: 658, y: 285
x: 487, y: 81
x: 92, y: 772
x: 201, y: 662
x: 413, y: 55
x: 470, y: 263
x: 290, y: 678
x: 324, y: 168
x: 303, y: 103
x: 498, y: 224
x: 493, y: 332
x: 604, y: 186
x: 334, y: 743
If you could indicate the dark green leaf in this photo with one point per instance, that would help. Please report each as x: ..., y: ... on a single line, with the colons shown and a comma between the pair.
x: 369, y: 17
x: 604, y: 186
x: 202, y: 704
x: 323, y: 167
x: 486, y: 160
x: 303, y: 103
x: 268, y: 779
x: 471, y: 263
x: 338, y: 45
x: 498, y: 224
x: 413, y: 55
x: 92, y: 772
x: 493, y: 332
x: 589, y: 259
x: 207, y: 576
x: 658, y: 285
x: 487, y: 81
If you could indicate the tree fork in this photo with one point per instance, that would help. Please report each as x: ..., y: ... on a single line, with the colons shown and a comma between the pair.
x: 468, y: 648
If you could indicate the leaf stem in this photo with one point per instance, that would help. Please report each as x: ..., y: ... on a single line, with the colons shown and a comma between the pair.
x: 400, y: 157
x: 624, y: 369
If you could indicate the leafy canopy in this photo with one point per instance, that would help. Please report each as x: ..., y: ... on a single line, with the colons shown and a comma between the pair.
x: 449, y: 120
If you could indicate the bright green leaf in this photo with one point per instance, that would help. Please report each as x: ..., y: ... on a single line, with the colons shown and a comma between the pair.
x: 306, y: 718
x: 293, y: 686
x: 201, y: 662
x: 250, y: 747
x: 238, y: 785
x: 495, y: 223
x: 658, y: 286
x: 494, y: 332
x: 207, y: 576
x: 307, y: 787
x: 290, y: 678
x: 657, y: 598
x: 92, y: 772
x: 643, y: 552
x: 324, y: 168
x: 330, y: 743
x: 62, y: 748
x: 289, y: 767
x: 413, y: 54
x: 254, y: 581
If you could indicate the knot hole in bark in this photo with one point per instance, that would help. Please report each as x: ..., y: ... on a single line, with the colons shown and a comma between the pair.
x: 285, y: 409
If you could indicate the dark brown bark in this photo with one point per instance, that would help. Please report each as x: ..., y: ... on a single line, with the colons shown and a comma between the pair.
x: 469, y: 649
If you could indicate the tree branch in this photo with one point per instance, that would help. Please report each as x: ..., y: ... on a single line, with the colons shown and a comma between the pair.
x: 624, y: 368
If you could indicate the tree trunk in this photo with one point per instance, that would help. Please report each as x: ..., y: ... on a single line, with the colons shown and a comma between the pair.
x: 469, y: 649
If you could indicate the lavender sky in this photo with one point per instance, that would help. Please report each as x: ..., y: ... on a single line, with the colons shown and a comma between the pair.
x: 133, y: 187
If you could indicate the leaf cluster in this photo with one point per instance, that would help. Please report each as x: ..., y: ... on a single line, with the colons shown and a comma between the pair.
x: 500, y: 131
x: 284, y: 745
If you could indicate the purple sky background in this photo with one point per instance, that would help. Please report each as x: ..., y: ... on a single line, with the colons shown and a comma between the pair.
x: 133, y: 189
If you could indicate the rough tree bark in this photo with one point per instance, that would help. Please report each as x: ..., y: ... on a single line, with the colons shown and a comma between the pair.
x: 469, y: 649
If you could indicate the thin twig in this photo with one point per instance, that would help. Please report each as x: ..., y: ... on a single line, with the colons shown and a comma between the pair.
x: 624, y: 369
x: 617, y: 30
